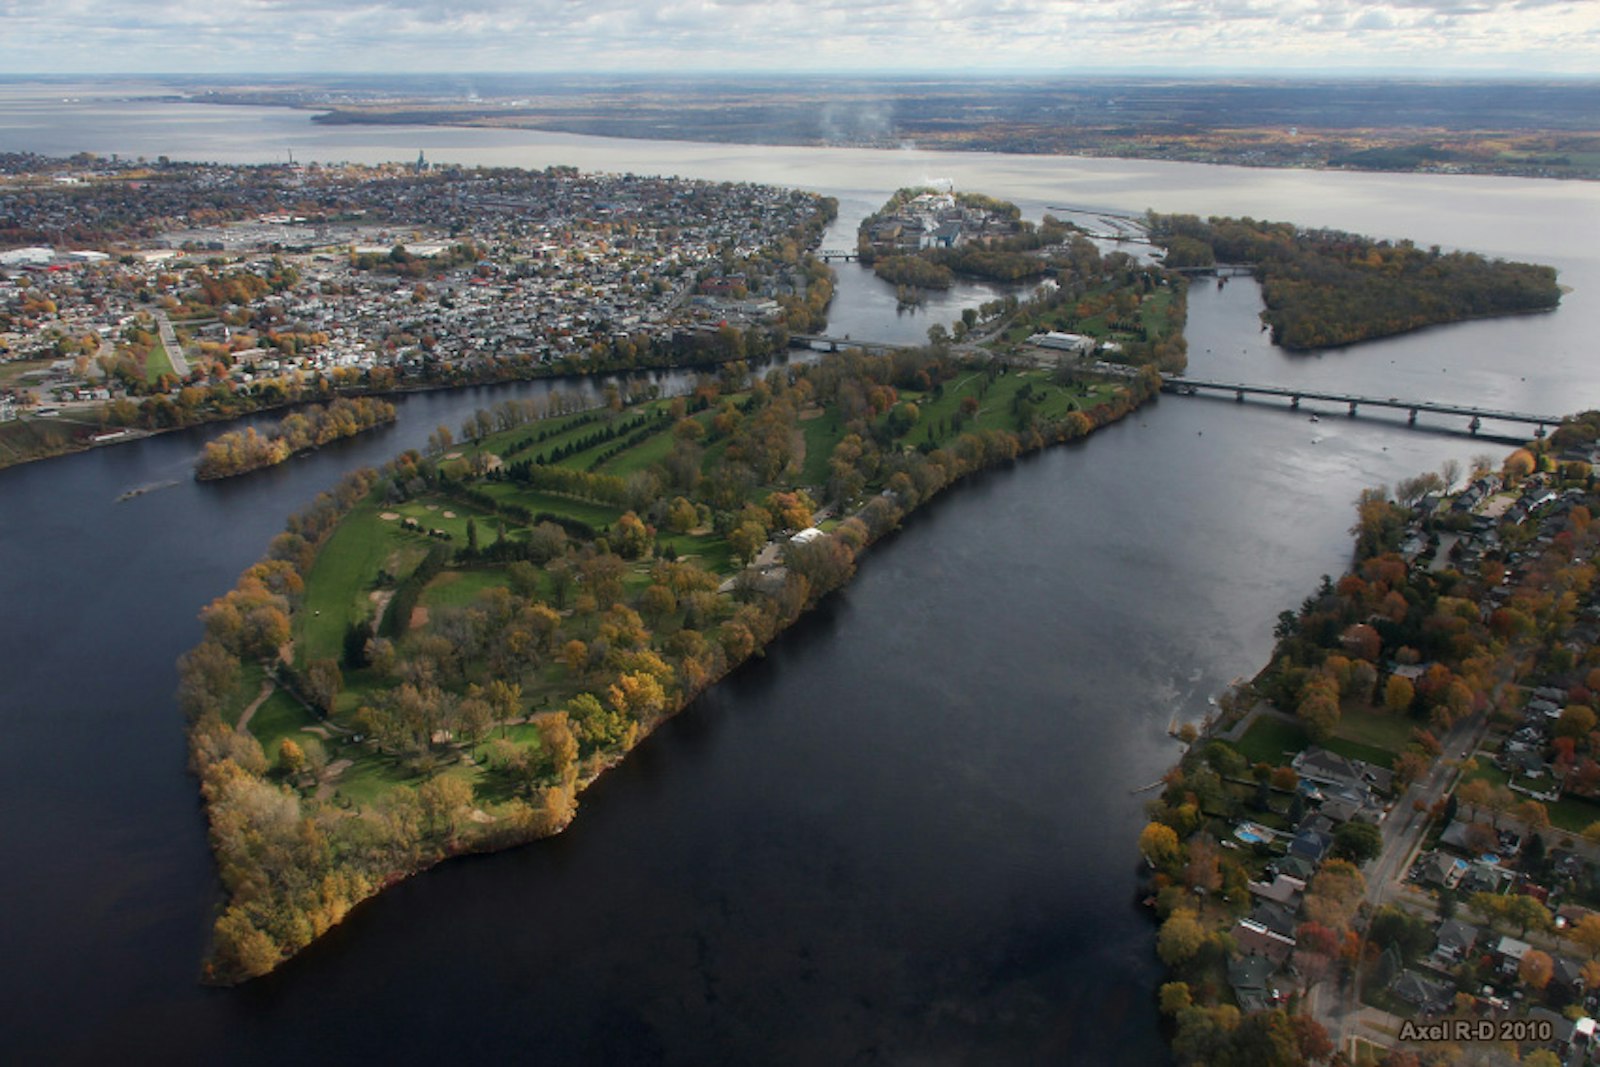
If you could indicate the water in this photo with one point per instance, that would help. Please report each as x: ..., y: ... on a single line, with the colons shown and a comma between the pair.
x: 907, y: 834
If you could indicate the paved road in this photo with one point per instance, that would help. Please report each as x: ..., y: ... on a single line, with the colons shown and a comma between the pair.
x: 1341, y: 1011
x: 169, y: 341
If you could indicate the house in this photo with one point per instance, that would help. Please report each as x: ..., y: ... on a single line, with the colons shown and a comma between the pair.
x: 1325, y: 768
x: 1293, y: 867
x: 1311, y: 845
x: 1459, y: 836
x: 1429, y: 996
x: 1568, y: 972
x: 1508, y: 953
x: 1281, y: 890
x: 1254, y: 939
x: 1279, y: 918
x: 1339, y: 810
x: 1438, y: 869
x: 1454, y: 940
x: 1252, y: 980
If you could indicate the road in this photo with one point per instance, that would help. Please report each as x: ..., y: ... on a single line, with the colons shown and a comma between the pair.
x: 169, y: 341
x: 1341, y: 1011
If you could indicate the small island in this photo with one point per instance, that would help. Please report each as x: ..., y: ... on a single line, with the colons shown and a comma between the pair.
x: 242, y: 451
x: 1326, y: 289
x: 1392, y: 829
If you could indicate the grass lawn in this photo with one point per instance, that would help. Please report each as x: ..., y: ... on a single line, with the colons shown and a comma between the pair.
x: 279, y: 717
x: 373, y: 775
x: 442, y: 513
x: 557, y: 431
x: 651, y: 451
x: 457, y: 589
x: 11, y: 373
x: 1153, y: 312
x: 1272, y: 740
x: 821, y: 436
x: 251, y: 675
x: 710, y: 551
x: 1269, y: 738
x: 1377, y: 728
x: 596, y: 515
x: 341, y: 579
x: 158, y: 363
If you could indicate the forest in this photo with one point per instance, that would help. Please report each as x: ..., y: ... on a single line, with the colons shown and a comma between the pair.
x: 1325, y: 289
x: 241, y: 451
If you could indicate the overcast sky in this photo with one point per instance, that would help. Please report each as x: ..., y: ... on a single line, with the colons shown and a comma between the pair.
x: 700, y: 36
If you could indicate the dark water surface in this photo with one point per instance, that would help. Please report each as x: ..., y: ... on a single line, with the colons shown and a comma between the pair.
x: 905, y: 836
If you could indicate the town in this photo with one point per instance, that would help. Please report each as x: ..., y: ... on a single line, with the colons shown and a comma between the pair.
x: 1394, y: 829
x: 150, y: 295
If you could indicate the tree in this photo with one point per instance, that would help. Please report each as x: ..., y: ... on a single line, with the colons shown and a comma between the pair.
x: 1587, y: 933
x: 1357, y: 841
x: 1180, y: 938
x: 1576, y: 722
x: 241, y: 949
x: 324, y: 682
x: 1398, y: 694
x: 442, y: 797
x: 1158, y: 843
x: 1526, y: 913
x: 1450, y: 473
x: 1535, y: 968
x: 291, y: 757
x: 1175, y: 997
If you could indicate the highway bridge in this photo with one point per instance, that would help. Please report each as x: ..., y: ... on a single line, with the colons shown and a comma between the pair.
x: 1184, y: 386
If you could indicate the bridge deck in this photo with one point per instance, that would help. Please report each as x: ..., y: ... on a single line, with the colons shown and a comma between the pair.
x: 1176, y: 383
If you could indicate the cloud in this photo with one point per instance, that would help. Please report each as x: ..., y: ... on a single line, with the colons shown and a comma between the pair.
x: 711, y: 36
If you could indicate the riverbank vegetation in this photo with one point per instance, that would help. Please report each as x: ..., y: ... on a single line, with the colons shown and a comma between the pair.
x: 460, y: 642
x: 241, y: 451
x: 1324, y: 288
x: 1462, y: 639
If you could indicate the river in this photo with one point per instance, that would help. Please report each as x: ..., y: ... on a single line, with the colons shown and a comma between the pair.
x: 905, y: 835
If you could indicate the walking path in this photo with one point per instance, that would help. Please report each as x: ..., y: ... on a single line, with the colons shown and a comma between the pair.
x: 268, y: 687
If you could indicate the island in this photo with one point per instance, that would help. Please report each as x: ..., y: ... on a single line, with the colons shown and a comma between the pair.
x: 1324, y: 288
x: 241, y: 451
x: 1388, y: 841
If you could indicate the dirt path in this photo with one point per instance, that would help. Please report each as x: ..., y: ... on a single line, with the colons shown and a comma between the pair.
x: 326, y: 783
x: 268, y: 687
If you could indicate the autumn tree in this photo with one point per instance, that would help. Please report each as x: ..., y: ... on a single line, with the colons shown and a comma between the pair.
x: 324, y: 682
x: 1398, y: 693
x: 1535, y: 968
x: 1158, y: 843
x: 1180, y: 938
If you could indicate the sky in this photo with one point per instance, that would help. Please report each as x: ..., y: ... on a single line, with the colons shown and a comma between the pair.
x: 1463, y: 37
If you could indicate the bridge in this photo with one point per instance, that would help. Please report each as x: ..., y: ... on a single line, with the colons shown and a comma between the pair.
x: 823, y: 342
x: 1221, y: 270
x: 1194, y: 386
x: 843, y: 255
